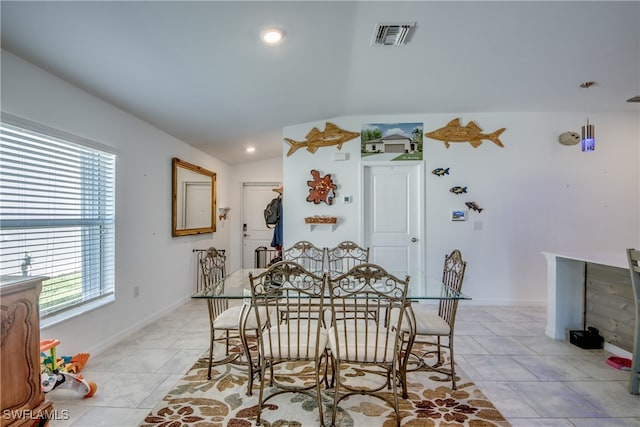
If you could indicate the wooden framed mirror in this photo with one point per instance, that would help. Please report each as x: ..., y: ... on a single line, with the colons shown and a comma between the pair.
x: 193, y: 204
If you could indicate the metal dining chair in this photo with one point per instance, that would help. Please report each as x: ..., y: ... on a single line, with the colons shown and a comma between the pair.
x: 224, y: 319
x: 344, y: 256
x: 221, y: 317
x: 429, y: 324
x: 288, y: 301
x: 633, y: 256
x: 370, y: 339
x: 306, y: 254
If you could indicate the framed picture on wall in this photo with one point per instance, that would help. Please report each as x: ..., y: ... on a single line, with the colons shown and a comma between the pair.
x: 391, y: 141
x: 458, y: 215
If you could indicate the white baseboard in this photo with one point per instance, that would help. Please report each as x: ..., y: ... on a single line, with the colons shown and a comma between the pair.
x: 115, y: 339
x: 519, y: 303
x: 611, y: 348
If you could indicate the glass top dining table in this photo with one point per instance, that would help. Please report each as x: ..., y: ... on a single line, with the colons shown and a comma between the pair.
x: 237, y: 286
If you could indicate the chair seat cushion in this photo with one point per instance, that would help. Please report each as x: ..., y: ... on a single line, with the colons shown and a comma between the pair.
x: 372, y: 345
x: 282, y: 343
x: 427, y: 323
x: 230, y: 319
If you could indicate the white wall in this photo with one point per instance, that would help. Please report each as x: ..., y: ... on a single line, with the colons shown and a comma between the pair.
x: 146, y: 254
x: 345, y: 174
x: 537, y: 195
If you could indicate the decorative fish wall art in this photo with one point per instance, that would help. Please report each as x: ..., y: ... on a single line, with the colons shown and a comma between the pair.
x: 471, y: 133
x: 458, y: 190
x: 321, y: 189
x: 331, y: 135
x: 440, y: 171
x: 474, y: 206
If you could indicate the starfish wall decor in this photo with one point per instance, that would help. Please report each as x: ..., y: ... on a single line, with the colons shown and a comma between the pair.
x: 321, y: 189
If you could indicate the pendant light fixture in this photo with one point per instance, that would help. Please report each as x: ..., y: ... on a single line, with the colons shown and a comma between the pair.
x: 588, y: 131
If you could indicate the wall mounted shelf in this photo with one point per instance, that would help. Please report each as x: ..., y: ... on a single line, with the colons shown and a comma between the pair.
x: 325, y: 227
x: 321, y: 222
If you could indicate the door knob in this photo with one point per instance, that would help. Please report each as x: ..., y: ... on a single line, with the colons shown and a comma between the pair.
x: 414, y: 239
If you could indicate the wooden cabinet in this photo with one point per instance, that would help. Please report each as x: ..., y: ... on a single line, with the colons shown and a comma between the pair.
x: 21, y: 400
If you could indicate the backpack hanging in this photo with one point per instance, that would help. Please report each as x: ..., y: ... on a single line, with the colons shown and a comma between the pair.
x: 271, y: 213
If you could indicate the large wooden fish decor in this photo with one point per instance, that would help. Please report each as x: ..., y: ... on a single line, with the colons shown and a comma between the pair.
x: 471, y: 133
x: 332, y: 135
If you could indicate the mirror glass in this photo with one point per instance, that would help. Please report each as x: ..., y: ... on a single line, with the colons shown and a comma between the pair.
x: 194, y: 199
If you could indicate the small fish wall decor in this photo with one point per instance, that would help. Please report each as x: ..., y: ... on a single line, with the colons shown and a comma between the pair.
x: 474, y: 206
x: 458, y: 190
x: 471, y: 133
x: 331, y: 135
x: 440, y: 171
x: 321, y: 189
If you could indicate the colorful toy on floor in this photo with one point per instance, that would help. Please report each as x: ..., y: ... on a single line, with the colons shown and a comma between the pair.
x: 621, y: 363
x: 76, y: 363
x: 63, y: 372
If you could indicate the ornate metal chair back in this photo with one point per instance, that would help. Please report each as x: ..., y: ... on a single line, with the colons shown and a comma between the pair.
x: 345, y: 256
x: 307, y: 255
x: 452, y: 277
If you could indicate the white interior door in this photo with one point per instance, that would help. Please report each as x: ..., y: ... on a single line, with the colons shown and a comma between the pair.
x: 255, y: 197
x: 393, y: 210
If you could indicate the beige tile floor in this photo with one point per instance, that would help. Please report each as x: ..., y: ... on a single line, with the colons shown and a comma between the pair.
x: 533, y: 380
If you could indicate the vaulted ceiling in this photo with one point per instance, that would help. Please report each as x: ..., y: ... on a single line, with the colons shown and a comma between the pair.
x: 199, y: 71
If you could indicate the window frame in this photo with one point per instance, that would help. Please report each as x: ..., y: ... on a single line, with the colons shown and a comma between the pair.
x: 90, y: 221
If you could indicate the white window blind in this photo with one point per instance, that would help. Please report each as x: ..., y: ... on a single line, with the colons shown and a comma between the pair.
x: 57, y: 214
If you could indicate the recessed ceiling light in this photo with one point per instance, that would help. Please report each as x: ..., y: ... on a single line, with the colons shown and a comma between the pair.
x: 272, y: 35
x: 251, y: 149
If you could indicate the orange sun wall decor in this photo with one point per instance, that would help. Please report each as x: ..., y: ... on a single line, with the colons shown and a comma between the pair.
x: 321, y: 189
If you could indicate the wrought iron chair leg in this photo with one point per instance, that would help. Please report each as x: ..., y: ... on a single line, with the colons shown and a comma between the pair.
x: 336, y: 372
x: 395, y: 395
x: 453, y: 369
x: 327, y: 359
x: 404, y: 364
x: 318, y: 396
x: 211, y: 340
x: 252, y: 369
x: 261, y: 393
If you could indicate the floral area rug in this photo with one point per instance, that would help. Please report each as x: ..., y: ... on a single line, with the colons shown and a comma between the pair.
x: 222, y: 401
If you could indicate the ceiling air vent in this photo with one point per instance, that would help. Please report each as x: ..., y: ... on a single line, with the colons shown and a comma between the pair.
x: 392, y: 34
